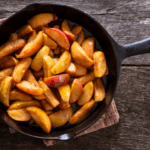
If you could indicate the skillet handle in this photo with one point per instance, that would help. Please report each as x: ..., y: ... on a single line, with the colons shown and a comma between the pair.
x: 140, y: 47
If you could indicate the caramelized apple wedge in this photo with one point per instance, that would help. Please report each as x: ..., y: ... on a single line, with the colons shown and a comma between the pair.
x: 38, y: 74
x: 99, y: 90
x: 100, y: 65
x: 6, y: 72
x: 8, y: 61
x: 57, y: 51
x: 76, y: 31
x: 37, y: 62
x: 79, y: 55
x: 82, y: 112
x: 81, y: 38
x: 57, y: 80
x: 58, y: 36
x: 21, y: 68
x: 18, y: 95
x: 23, y: 104
x: 50, y: 96
x: 86, y: 94
x: 51, y: 53
x: 32, y: 47
x: 5, y: 90
x: 62, y: 64
x: 40, y: 20
x: 25, y: 30
x: 66, y: 29
x: 19, y: 114
x: 29, y: 88
x: 71, y: 69
x: 13, y: 37
x: 88, y: 46
x: 55, y: 17
x: 31, y: 37
x: 46, y: 106
x: 39, y: 97
x: 41, y: 118
x: 80, y: 70
x: 76, y: 91
x: 56, y: 26
x: 60, y: 117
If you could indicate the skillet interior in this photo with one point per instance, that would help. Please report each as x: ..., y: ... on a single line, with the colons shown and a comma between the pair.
x: 73, y: 15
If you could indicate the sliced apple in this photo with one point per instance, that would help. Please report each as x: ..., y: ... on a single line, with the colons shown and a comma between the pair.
x: 100, y: 65
x: 79, y: 55
x: 41, y: 118
x: 39, y: 97
x: 56, y: 26
x: 46, y: 106
x: 38, y: 74
x: 13, y: 37
x: 49, y: 112
x: 48, y: 64
x: 50, y: 96
x: 5, y: 88
x: 61, y: 117
x: 81, y: 38
x: 18, y: 95
x: 31, y: 37
x: 71, y: 69
x: 51, y: 53
x: 76, y: 31
x: 82, y: 112
x: 21, y: 68
x: 29, y: 88
x: 85, y: 79
x: 58, y: 36
x: 55, y: 17
x: 19, y: 114
x: 57, y: 51
x: 76, y: 91
x: 80, y: 70
x: 32, y: 47
x: 40, y: 20
x: 8, y: 61
x: 6, y: 72
x: 88, y: 46
x: 37, y: 62
x: 99, y: 90
x: 86, y: 94
x: 11, y: 47
x: 57, y: 80
x: 62, y: 64
x: 66, y: 29
x: 25, y: 30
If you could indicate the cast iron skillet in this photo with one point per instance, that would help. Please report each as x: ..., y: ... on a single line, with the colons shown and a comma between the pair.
x: 114, y: 53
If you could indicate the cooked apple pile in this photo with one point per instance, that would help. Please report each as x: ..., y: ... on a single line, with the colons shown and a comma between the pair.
x: 43, y: 68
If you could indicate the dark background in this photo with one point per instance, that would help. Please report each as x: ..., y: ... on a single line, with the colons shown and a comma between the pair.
x: 126, y: 21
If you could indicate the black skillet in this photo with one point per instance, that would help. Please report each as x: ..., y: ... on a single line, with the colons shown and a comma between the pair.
x: 114, y: 53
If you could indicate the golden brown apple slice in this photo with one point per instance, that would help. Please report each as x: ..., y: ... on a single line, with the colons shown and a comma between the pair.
x: 57, y: 80
x: 55, y: 17
x: 23, y: 104
x: 49, y: 112
x: 13, y: 37
x: 19, y: 114
x: 29, y: 88
x: 32, y: 47
x: 31, y: 37
x: 85, y: 79
x: 39, y: 97
x: 43, y: 28
x: 57, y: 51
x: 99, y: 90
x: 51, y: 54
x: 50, y: 96
x: 64, y: 91
x: 48, y: 64
x: 11, y: 47
x: 56, y: 26
x: 37, y: 62
x: 5, y: 90
x: 21, y: 68
x: 79, y: 55
x: 6, y: 72
x: 81, y: 38
x: 8, y: 61
x: 16, y: 94
x: 100, y: 65
x: 62, y: 64
x: 88, y: 46
x: 58, y: 36
x: 61, y: 117
x: 76, y: 91
x: 66, y: 29
x: 38, y: 74
x: 82, y: 112
x: 46, y: 106
x: 30, y: 77
x: 86, y: 94
x: 41, y: 118
x: 80, y: 70
x: 40, y: 20
x: 25, y: 30
x: 49, y: 42
x: 76, y: 31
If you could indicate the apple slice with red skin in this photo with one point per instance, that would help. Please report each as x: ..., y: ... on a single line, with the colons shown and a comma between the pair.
x: 58, y: 36
x: 58, y: 80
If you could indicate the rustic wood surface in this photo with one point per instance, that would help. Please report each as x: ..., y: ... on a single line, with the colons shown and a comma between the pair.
x: 126, y: 21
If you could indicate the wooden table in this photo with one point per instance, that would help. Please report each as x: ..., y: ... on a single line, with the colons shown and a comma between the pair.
x: 126, y: 21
